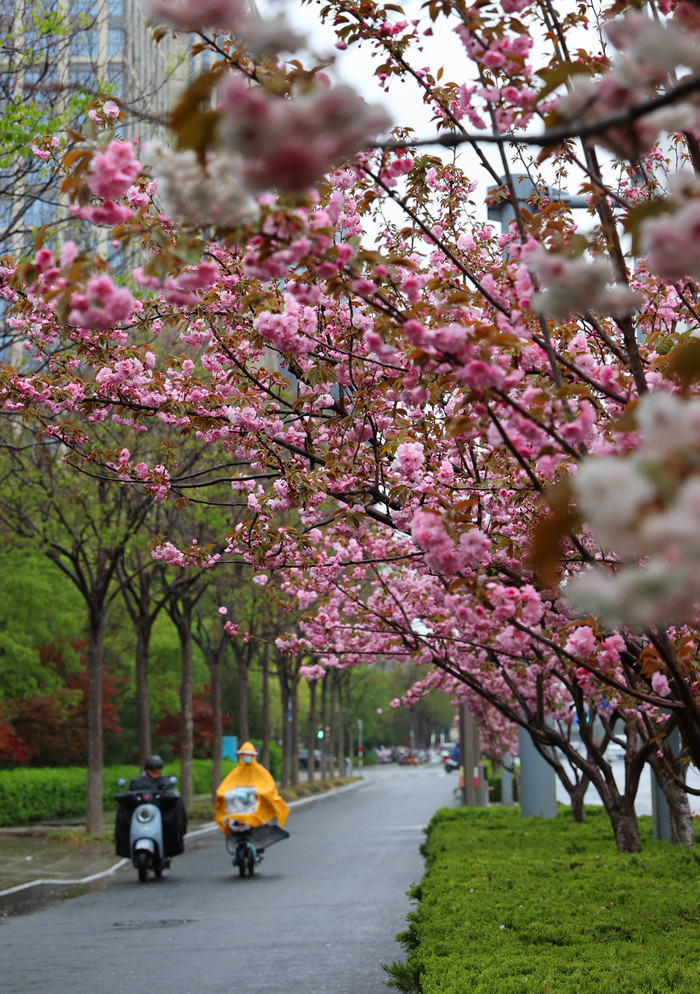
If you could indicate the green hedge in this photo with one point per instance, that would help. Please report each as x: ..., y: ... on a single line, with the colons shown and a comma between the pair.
x: 512, y: 905
x: 28, y: 795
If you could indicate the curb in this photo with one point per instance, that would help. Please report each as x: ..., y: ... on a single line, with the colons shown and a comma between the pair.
x: 37, y: 889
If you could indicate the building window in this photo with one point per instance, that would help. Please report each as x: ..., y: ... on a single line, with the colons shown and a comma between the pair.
x: 116, y: 41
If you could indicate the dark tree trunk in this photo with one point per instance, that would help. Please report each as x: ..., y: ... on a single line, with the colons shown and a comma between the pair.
x: 143, y: 708
x: 578, y: 808
x: 325, y: 741
x: 217, y: 730
x: 350, y: 722
x: 95, y: 745
x: 626, y: 828
x: 242, y: 667
x: 311, y: 739
x: 294, y: 731
x: 286, y: 751
x: 332, y: 716
x: 265, y: 663
x: 341, y: 726
x: 180, y: 609
x: 186, y: 711
x: 680, y: 815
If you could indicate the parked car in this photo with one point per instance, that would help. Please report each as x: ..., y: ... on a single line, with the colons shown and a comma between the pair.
x: 304, y: 759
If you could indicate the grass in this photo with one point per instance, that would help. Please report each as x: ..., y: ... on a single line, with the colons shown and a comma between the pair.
x: 512, y: 905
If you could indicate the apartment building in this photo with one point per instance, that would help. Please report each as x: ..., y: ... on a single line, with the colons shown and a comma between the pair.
x: 53, y: 57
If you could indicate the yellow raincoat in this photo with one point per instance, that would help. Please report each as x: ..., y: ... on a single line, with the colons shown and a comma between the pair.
x: 252, y: 807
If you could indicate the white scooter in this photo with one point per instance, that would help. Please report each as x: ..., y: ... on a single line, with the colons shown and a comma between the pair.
x: 146, y: 830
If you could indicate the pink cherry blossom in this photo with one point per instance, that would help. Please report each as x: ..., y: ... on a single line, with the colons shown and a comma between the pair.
x: 101, y: 305
x: 113, y: 171
x: 194, y: 15
x: 660, y: 685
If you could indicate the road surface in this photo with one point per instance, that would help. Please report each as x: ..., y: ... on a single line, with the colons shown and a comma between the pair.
x: 319, y: 917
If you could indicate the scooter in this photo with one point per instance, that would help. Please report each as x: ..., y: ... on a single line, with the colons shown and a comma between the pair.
x: 451, y: 763
x: 146, y: 830
x: 244, y: 842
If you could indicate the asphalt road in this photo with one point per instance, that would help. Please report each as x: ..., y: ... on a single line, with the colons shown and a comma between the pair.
x: 319, y: 916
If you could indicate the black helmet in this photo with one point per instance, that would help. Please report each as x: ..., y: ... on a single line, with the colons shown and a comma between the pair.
x: 153, y: 763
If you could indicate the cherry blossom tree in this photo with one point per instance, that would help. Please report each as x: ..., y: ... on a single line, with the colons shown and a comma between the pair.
x: 480, y: 446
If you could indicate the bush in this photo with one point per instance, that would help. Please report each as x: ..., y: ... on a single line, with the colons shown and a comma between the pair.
x: 511, y: 905
x: 46, y: 794
x: 29, y: 795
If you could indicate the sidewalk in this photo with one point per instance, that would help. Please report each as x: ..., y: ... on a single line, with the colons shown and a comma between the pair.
x: 35, y: 867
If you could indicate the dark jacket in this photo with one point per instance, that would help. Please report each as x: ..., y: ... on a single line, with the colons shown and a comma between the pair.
x: 157, y: 785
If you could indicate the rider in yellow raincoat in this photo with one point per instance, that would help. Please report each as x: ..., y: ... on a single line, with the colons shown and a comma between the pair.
x: 265, y: 803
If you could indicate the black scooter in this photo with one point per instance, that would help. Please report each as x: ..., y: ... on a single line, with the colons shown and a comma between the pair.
x: 148, y: 829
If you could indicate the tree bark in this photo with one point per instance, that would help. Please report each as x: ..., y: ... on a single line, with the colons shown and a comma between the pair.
x: 311, y: 733
x: 350, y: 722
x: 325, y: 741
x: 186, y: 712
x: 95, y: 744
x: 242, y: 667
x: 217, y: 729
x: 180, y: 609
x: 578, y: 808
x: 286, y: 752
x: 143, y: 707
x: 341, y: 725
x: 680, y: 815
x: 265, y: 663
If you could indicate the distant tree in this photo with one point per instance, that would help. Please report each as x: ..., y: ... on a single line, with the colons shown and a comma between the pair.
x: 55, y: 728
x: 170, y: 728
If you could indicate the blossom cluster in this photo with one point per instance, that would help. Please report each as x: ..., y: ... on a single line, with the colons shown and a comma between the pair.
x: 651, y: 53
x: 644, y: 505
x: 288, y: 144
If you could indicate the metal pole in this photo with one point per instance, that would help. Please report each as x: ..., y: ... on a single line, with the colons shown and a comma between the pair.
x: 660, y: 814
x: 360, y: 753
x: 538, y: 791
x: 507, y: 780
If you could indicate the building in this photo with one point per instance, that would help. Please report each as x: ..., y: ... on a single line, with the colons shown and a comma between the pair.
x: 54, y: 58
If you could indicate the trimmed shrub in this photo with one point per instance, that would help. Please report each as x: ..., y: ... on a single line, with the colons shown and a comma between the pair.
x: 512, y: 905
x: 46, y: 794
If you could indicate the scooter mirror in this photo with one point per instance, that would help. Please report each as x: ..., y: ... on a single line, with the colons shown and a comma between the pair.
x: 121, y: 782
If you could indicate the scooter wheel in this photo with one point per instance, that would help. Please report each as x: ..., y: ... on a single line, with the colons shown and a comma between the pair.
x: 142, y: 866
x: 251, y: 864
x: 242, y: 868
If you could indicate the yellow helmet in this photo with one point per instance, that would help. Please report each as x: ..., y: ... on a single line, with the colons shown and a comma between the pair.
x: 248, y: 748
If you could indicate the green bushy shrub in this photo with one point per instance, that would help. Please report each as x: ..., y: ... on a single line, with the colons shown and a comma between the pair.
x: 41, y: 794
x: 510, y: 905
x: 45, y: 794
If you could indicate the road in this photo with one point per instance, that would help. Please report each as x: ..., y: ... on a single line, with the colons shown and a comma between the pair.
x: 642, y: 801
x: 319, y: 917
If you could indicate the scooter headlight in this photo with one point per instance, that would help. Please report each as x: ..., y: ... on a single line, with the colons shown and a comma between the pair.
x: 144, y: 814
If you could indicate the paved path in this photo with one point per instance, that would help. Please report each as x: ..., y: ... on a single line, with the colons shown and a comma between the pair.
x: 320, y: 917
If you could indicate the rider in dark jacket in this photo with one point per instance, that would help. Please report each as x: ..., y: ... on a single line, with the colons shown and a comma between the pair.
x: 151, y: 780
